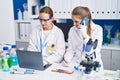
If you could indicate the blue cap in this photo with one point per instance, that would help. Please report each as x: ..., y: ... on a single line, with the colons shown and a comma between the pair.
x: 76, y: 68
x: 13, y: 46
x: 5, y: 48
x: 81, y: 70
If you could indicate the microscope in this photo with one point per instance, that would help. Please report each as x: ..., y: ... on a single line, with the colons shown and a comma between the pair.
x: 89, y: 63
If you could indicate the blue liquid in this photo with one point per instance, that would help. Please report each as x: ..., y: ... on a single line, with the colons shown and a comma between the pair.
x: 6, y: 70
x: 14, y: 60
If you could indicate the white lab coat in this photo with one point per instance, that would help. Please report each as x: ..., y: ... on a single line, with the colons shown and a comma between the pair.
x: 55, y: 38
x: 75, y: 44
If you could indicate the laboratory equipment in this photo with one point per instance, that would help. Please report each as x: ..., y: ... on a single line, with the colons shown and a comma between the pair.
x: 78, y: 73
x: 90, y: 63
x: 25, y: 12
x: 107, y: 37
x: 13, y: 55
x: 19, y: 14
x: 6, y: 60
x: 37, y: 9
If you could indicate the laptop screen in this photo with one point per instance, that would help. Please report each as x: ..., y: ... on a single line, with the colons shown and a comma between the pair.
x: 31, y: 60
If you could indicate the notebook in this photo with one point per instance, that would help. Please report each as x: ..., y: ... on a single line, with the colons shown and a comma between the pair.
x: 31, y: 60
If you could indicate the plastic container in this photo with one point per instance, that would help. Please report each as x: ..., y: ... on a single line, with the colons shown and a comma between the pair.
x: 13, y: 55
x: 25, y: 12
x: 25, y: 15
x: 6, y: 60
x: 19, y: 14
x: 78, y: 73
x: 1, y: 51
x: 37, y: 10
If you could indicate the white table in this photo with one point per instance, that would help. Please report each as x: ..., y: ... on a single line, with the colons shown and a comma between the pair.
x: 48, y: 75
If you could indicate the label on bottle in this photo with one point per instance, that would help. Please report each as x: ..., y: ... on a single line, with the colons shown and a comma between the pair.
x: 5, y: 67
x: 14, y: 60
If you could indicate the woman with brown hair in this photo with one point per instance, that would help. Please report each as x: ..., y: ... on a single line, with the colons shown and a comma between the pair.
x: 47, y: 38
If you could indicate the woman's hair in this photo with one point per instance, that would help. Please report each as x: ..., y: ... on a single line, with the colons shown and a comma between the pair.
x: 47, y: 10
x: 83, y: 12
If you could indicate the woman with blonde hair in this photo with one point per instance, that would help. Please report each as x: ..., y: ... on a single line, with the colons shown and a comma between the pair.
x: 79, y: 35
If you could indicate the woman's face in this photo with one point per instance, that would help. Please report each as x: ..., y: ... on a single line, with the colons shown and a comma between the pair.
x: 46, y: 21
x: 76, y: 20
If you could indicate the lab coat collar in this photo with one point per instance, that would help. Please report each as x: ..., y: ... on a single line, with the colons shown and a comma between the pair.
x: 75, y: 28
x: 93, y: 25
x: 52, y: 33
x: 53, y: 29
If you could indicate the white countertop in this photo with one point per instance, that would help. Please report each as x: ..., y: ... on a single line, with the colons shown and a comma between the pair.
x: 111, y: 47
x: 48, y: 75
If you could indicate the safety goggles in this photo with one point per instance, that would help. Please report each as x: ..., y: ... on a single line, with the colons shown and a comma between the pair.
x: 45, y: 20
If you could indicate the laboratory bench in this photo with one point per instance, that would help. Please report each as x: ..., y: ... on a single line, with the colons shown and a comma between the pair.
x: 111, y: 47
x: 49, y: 75
x: 110, y: 54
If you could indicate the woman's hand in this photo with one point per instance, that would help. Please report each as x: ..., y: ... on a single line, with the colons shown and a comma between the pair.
x: 65, y: 64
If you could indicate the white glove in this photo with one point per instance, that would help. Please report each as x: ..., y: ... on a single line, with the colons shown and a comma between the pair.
x: 65, y: 64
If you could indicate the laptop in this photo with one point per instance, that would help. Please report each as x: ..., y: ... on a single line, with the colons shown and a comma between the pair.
x: 31, y: 60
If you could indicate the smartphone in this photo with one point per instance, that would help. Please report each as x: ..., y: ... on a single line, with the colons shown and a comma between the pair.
x: 85, y: 21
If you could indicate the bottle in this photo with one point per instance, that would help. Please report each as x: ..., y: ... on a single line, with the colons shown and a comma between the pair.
x: 37, y: 10
x: 19, y: 14
x: 78, y: 73
x: 25, y: 12
x: 6, y: 60
x: 1, y: 51
x: 25, y: 15
x: 0, y: 59
x: 116, y: 39
x: 117, y: 34
x: 13, y: 55
x: 14, y: 59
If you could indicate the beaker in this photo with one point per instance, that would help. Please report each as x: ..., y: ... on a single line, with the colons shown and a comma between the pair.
x: 107, y: 38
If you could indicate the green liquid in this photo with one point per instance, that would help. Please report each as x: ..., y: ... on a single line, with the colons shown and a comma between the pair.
x: 6, y: 64
x: 107, y: 40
